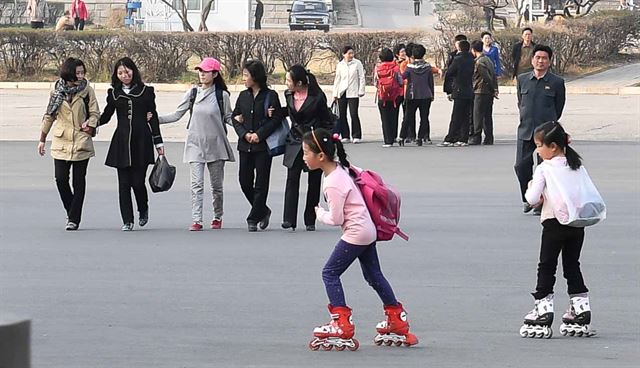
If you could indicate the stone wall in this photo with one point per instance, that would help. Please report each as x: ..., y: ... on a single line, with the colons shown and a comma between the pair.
x: 98, y: 11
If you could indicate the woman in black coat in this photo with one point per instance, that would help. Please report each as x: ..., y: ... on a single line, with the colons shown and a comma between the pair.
x: 307, y: 109
x: 133, y: 142
x: 253, y: 125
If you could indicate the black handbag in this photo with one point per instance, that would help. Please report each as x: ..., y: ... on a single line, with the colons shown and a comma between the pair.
x: 162, y: 175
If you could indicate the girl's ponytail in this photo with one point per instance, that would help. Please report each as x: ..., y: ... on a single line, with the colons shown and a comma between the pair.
x: 574, y: 160
x: 341, y: 153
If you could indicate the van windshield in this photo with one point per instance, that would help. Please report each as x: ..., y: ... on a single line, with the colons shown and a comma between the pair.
x: 302, y: 7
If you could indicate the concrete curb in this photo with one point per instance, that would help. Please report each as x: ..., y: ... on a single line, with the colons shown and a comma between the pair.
x: 168, y: 87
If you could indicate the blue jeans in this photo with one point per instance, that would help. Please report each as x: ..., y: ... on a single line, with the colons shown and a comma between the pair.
x: 342, y: 257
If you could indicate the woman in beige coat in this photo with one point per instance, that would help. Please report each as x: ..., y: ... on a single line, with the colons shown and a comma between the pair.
x: 74, y: 110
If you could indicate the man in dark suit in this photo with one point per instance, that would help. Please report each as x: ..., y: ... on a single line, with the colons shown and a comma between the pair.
x: 259, y: 14
x: 541, y: 98
x: 458, y: 85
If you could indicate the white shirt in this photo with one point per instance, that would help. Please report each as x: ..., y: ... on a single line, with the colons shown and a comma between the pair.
x: 538, y: 187
x: 349, y: 79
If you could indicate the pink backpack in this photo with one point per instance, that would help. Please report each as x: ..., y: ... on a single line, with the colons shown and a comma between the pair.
x: 383, y: 203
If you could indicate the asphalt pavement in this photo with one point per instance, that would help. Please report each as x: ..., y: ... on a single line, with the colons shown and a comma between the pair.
x: 165, y: 297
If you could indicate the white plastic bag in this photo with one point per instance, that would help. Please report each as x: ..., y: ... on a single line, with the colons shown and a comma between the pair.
x: 576, y: 201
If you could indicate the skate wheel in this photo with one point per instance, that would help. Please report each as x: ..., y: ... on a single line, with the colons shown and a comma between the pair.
x: 548, y: 333
x: 532, y: 334
x: 563, y: 330
x: 341, y: 347
x: 327, y: 347
x: 523, y: 331
x: 579, y: 333
x: 377, y: 342
x: 356, y: 345
x: 539, y: 335
x: 388, y: 342
x: 313, y: 346
x: 572, y: 333
x: 398, y: 343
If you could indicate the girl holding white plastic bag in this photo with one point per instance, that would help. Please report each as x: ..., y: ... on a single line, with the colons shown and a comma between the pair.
x: 552, y: 144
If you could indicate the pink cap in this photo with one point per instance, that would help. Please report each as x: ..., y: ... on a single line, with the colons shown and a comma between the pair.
x: 209, y: 65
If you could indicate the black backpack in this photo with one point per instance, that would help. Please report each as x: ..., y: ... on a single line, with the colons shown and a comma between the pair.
x: 219, y: 98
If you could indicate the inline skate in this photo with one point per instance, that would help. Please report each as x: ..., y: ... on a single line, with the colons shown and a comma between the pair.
x: 338, y: 333
x: 537, y: 323
x: 395, y: 329
x: 575, y: 321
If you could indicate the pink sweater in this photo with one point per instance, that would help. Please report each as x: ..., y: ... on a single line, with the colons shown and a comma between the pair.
x: 346, y: 208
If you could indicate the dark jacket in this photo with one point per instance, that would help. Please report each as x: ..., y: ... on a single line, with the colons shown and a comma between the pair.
x: 485, y: 81
x: 450, y: 56
x: 515, y: 56
x: 259, y: 10
x: 313, y: 113
x: 419, y: 81
x: 133, y: 141
x: 539, y: 101
x: 459, y: 77
x: 255, y: 118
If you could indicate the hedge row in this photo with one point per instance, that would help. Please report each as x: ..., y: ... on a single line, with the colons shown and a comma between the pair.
x: 162, y: 57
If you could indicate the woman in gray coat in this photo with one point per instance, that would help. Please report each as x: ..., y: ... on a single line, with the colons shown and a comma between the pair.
x: 207, y: 143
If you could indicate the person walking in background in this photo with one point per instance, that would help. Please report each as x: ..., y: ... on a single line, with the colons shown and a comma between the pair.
x: 72, y: 102
x: 207, y: 144
x: 419, y: 95
x: 522, y: 53
x: 492, y: 52
x: 307, y: 109
x: 259, y: 14
x: 485, y: 89
x: 35, y: 10
x: 133, y: 141
x: 416, y: 7
x: 541, y: 98
x: 458, y: 85
x: 390, y: 89
x: 402, y: 54
x: 348, y: 87
x: 253, y: 126
x: 79, y: 13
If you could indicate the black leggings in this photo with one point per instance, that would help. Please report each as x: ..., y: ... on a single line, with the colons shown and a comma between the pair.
x: 71, y: 200
x: 132, y: 178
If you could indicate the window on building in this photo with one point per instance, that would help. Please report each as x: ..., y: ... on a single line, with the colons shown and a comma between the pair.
x: 191, y: 4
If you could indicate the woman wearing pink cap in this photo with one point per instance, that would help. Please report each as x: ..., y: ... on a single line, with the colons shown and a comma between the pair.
x: 206, y: 144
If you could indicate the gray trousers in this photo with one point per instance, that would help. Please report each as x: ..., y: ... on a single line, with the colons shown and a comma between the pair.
x: 216, y: 177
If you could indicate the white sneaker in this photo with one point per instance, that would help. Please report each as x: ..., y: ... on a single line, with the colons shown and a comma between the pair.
x: 345, y: 140
x: 356, y: 140
x: 386, y: 145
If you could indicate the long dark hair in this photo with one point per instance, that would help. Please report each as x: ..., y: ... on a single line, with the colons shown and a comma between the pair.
x: 258, y: 72
x: 552, y: 132
x: 218, y: 81
x: 300, y: 74
x: 129, y: 64
x: 322, y: 141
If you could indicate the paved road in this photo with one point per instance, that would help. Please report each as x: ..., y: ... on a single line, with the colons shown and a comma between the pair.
x: 397, y: 14
x: 624, y: 76
x: 584, y: 116
x: 164, y: 297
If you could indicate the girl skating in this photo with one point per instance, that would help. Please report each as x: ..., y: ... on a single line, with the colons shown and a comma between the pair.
x: 348, y: 209
x: 558, y: 173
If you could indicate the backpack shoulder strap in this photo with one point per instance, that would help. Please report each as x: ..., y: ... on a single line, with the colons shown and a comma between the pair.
x: 220, y: 99
x: 192, y: 100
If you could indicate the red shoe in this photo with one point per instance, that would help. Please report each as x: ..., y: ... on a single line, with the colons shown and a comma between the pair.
x: 341, y: 325
x: 195, y: 227
x: 216, y: 224
x: 395, y: 329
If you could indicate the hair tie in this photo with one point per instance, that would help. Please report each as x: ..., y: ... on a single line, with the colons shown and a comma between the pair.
x: 335, y: 137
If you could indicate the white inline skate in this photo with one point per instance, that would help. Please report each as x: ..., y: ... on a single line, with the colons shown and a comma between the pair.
x: 575, y: 321
x: 537, y: 323
x: 338, y: 333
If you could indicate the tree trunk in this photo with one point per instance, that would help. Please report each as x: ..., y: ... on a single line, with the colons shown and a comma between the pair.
x: 204, y: 15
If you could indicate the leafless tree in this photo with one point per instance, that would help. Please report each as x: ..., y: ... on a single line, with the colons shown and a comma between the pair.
x: 181, y: 12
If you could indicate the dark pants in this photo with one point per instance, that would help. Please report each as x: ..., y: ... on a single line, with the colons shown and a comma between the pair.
x: 255, y: 170
x: 460, y: 121
x: 71, y: 200
x: 132, y: 178
x: 258, y: 24
x: 344, y: 254
x: 557, y: 238
x: 353, y: 104
x: 292, y: 191
x: 79, y: 24
x: 409, y: 122
x: 482, y: 119
x: 410, y: 132
x: 389, y: 113
x: 416, y: 8
x: 524, y: 164
x: 37, y: 25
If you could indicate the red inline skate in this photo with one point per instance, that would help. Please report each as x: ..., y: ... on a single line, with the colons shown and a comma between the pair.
x: 338, y: 333
x: 395, y: 329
